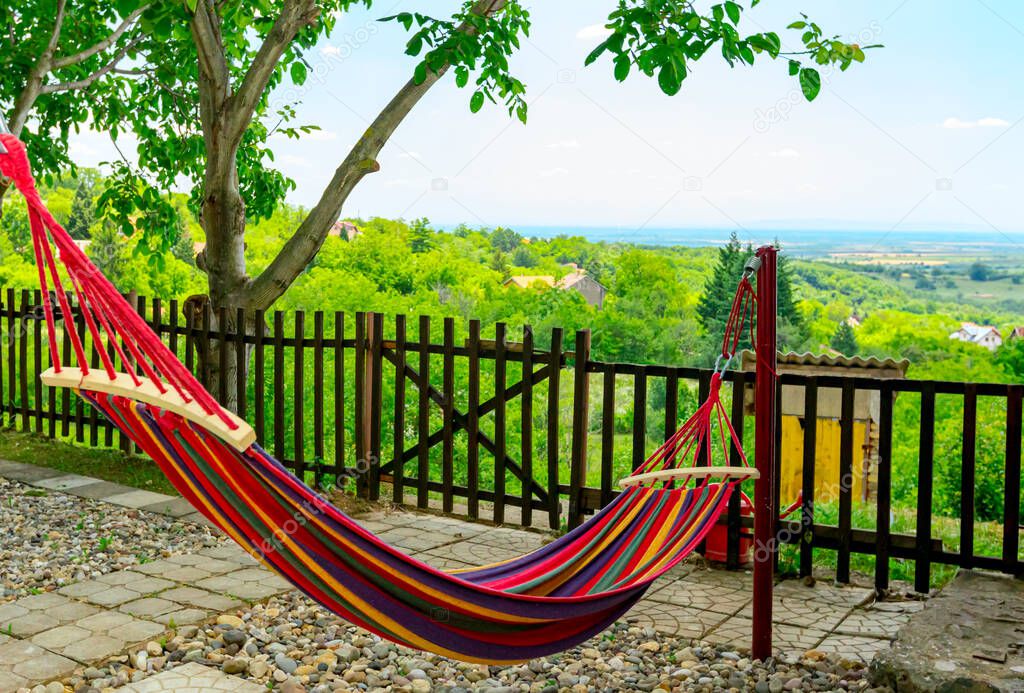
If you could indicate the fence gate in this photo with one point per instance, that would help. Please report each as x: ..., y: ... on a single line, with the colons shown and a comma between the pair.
x: 410, y: 370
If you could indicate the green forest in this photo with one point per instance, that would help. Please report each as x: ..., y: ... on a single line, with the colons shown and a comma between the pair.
x: 664, y: 305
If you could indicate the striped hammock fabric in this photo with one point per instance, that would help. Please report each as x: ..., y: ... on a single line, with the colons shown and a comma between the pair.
x: 532, y: 606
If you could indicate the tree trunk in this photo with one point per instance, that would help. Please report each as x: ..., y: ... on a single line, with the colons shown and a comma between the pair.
x: 219, y: 367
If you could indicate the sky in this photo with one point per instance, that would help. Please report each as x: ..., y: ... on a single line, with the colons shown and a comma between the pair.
x: 926, y: 135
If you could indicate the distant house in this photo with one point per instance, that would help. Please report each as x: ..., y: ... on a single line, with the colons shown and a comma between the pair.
x: 982, y: 335
x: 582, y: 282
x: 578, y: 280
x: 346, y: 230
x: 525, y: 281
x: 854, y: 321
x: 1015, y: 333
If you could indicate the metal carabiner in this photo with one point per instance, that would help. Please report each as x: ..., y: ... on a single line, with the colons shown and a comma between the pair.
x: 724, y: 366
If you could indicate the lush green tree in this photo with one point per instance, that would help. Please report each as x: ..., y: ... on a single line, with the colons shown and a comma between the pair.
x: 1011, y: 357
x: 793, y: 332
x: 524, y: 256
x: 499, y: 263
x: 57, y: 58
x: 110, y: 253
x: 844, y: 340
x: 980, y: 272
x: 421, y: 236
x: 505, y: 240
x: 223, y: 61
x: 83, y: 212
x: 184, y: 248
x: 720, y: 288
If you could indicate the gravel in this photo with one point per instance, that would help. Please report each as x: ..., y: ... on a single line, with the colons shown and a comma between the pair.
x: 50, y: 539
x: 290, y: 644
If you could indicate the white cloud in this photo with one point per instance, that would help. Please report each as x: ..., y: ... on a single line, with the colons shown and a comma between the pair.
x: 565, y: 144
x: 594, y: 31
x: 785, y: 153
x: 330, y: 50
x: 992, y: 123
x: 77, y: 148
x: 554, y: 173
x: 295, y: 160
x: 957, y: 124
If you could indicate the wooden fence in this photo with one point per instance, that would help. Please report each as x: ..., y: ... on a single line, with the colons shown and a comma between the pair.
x: 518, y: 427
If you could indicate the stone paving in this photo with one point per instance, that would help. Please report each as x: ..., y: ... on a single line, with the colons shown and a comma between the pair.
x: 49, y: 636
x: 193, y: 678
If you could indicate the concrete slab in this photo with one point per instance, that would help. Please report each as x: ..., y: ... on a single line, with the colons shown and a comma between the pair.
x: 23, y: 663
x: 64, y: 483
x: 193, y: 678
x: 137, y: 498
x: 176, y: 507
x: 29, y: 473
x: 968, y: 637
x: 99, y: 490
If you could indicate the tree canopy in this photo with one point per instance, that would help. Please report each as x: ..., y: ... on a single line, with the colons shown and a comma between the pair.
x: 197, y: 93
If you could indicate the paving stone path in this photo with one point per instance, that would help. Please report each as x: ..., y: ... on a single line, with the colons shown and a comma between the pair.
x: 50, y: 636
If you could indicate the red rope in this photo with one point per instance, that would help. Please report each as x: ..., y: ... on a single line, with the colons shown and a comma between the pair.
x: 102, y: 306
x: 696, y: 434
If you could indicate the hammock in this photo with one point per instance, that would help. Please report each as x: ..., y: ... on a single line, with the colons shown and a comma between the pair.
x: 541, y: 603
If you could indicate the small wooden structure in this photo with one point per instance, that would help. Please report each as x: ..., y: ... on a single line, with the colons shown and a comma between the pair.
x: 866, y: 416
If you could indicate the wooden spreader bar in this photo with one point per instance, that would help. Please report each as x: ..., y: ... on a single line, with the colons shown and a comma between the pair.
x: 240, y: 438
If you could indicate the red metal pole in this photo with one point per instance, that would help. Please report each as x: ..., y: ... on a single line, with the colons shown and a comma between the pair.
x: 764, y: 453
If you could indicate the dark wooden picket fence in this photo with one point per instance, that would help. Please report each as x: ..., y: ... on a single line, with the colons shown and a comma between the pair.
x: 517, y: 427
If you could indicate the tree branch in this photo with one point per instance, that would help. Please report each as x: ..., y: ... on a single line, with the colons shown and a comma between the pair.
x: 295, y: 15
x: 101, y: 46
x: 307, y: 240
x: 86, y: 81
x: 58, y: 25
x: 213, y: 66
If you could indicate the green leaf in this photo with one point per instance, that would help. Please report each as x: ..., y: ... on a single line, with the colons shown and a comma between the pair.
x: 420, y: 75
x: 461, y: 76
x: 622, y: 68
x: 597, y: 52
x: 298, y: 73
x: 797, y: 25
x: 810, y: 83
x: 476, y: 102
x: 733, y: 10
x: 669, y: 80
x: 794, y: 68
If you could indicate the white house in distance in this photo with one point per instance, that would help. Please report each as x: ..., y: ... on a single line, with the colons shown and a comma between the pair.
x: 578, y: 280
x: 982, y: 335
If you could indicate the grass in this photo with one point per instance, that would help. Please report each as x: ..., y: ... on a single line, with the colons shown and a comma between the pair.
x: 109, y: 465
x: 988, y: 537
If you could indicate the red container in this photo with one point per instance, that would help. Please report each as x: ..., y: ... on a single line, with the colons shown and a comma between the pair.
x: 718, y: 538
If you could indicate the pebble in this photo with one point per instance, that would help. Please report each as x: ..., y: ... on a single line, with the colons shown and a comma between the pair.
x: 235, y: 666
x: 52, y: 539
x: 290, y: 644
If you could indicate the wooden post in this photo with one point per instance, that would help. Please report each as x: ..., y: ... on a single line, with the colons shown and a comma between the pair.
x: 580, y: 425
x: 375, y: 380
x: 764, y: 454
